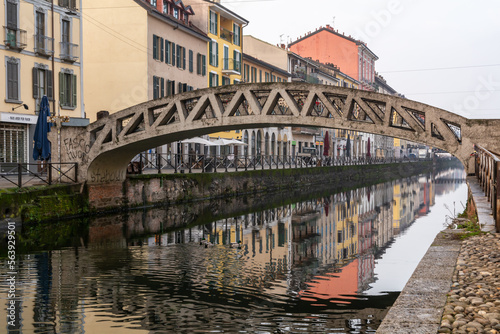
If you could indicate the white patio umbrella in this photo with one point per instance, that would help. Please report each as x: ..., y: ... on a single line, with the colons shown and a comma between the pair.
x: 198, y: 140
x: 223, y: 141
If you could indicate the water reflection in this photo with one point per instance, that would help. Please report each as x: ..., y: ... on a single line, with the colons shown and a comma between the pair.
x: 309, y: 266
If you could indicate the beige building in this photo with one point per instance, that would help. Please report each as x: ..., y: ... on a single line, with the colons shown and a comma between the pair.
x: 41, y: 55
x: 149, y: 49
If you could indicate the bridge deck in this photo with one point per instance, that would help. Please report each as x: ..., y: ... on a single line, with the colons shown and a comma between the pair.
x: 484, y: 212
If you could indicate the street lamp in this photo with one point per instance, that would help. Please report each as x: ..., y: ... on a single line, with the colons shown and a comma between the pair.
x: 21, y: 105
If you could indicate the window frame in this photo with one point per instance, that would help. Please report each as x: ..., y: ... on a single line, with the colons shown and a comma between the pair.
x: 13, y: 96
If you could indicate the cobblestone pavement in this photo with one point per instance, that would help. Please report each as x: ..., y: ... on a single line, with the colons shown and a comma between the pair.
x: 473, y: 304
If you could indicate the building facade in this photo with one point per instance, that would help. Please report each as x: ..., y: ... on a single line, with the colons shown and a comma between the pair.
x: 41, y: 54
x: 328, y: 46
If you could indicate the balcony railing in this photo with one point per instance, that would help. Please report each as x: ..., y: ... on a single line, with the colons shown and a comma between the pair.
x: 69, y: 51
x: 71, y: 4
x: 15, y: 38
x: 226, y: 35
x: 231, y: 66
x: 44, y: 45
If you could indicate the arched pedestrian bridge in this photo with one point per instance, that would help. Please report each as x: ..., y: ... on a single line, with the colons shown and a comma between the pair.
x: 104, y: 148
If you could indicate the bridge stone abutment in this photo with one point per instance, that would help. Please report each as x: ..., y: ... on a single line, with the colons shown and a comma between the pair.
x: 104, y: 148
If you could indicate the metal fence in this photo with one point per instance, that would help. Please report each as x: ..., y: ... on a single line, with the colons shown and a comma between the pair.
x: 182, y: 163
x: 24, y: 174
x: 487, y: 170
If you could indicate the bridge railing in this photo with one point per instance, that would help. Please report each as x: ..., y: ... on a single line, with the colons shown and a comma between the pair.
x: 487, y: 170
x: 189, y: 163
x: 26, y: 174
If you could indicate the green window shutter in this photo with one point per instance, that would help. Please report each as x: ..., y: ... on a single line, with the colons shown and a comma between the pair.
x: 204, y: 65
x: 50, y: 85
x: 155, y: 46
x: 198, y: 63
x: 35, y: 83
x: 162, y: 49
x: 173, y: 54
x: 162, y: 87
x: 217, y: 24
x: 217, y: 54
x: 183, y: 58
x: 191, y: 61
x: 62, y: 86
x: 73, y: 91
x: 155, y: 88
x: 210, y: 52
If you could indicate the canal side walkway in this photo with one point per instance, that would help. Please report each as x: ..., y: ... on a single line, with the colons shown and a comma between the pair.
x: 456, y: 286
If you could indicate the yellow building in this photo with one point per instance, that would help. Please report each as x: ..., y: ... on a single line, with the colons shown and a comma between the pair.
x: 225, y: 29
x: 149, y: 49
x: 41, y: 50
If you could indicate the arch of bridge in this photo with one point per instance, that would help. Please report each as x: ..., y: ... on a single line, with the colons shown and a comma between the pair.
x: 114, y: 140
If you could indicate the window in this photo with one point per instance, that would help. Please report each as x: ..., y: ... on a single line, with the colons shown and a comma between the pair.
x: 65, y: 38
x: 191, y: 61
x: 176, y: 13
x: 170, y: 88
x: 237, y: 60
x: 71, y: 4
x: 246, y: 73
x: 201, y: 64
x: 158, y: 48
x: 13, y: 85
x: 42, y: 42
x: 267, y: 77
x: 165, y: 7
x: 11, y: 16
x: 13, y: 143
x: 260, y: 75
x: 181, y: 57
x: 254, y: 74
x: 153, y: 3
x: 158, y: 87
x: 236, y: 34
x: 168, y: 56
x: 42, y: 83
x: 183, y: 87
x: 214, y: 53
x: 213, y: 79
x: 213, y: 23
x: 227, y: 64
x: 67, y: 89
x: 226, y: 81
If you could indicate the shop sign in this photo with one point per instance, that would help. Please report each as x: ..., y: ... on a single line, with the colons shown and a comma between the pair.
x: 18, y: 118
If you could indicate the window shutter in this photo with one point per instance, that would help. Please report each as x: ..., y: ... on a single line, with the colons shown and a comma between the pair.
x: 217, y: 54
x: 74, y: 91
x: 162, y: 49
x: 198, y: 63
x: 35, y: 83
x: 62, y: 86
x: 204, y: 65
x: 183, y: 58
x: 217, y: 77
x: 173, y: 87
x: 155, y: 89
x: 173, y: 54
x: 155, y: 47
x: 162, y: 92
x: 50, y: 85
x: 216, y: 24
x: 11, y: 15
x: 210, y: 52
x: 191, y: 61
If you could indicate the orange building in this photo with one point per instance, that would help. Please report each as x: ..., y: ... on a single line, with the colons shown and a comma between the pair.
x: 328, y: 46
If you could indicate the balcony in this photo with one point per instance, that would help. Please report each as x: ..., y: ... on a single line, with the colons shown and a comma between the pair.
x: 44, y: 45
x: 226, y: 35
x: 231, y: 66
x: 71, y: 4
x: 15, y: 38
x: 69, y: 51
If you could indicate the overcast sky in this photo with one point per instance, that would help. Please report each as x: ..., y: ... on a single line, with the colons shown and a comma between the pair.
x: 445, y: 53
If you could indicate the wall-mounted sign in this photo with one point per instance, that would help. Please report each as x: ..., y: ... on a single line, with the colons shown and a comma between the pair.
x: 18, y: 118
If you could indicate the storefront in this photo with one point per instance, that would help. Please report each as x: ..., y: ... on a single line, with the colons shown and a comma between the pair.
x: 15, y: 133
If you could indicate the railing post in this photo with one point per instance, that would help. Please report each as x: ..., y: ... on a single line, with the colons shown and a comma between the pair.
x: 203, y: 163
x: 19, y: 176
x: 76, y: 172
x: 158, y: 162
x: 246, y: 163
x: 49, y: 165
x: 175, y: 163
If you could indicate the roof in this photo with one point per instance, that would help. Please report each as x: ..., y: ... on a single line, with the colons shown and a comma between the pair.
x: 265, y: 64
x: 189, y: 28
x: 334, y: 32
x: 235, y: 16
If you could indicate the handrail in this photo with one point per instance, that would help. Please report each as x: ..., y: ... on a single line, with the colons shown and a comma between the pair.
x: 487, y: 171
x: 181, y: 163
x: 21, y: 175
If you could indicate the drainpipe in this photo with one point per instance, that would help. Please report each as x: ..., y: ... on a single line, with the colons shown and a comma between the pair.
x: 53, y: 62
x: 82, y: 104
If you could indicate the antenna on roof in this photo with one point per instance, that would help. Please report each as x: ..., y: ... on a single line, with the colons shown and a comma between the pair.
x: 281, y: 39
x: 333, y: 22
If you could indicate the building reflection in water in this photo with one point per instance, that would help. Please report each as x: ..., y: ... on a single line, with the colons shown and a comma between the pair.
x: 304, y: 257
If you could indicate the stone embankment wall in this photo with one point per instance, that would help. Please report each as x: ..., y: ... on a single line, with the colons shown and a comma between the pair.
x: 145, y: 190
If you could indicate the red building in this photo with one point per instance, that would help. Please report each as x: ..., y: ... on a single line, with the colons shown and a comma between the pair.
x: 352, y: 56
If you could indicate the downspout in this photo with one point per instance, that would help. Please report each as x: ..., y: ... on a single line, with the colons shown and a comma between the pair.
x: 82, y: 104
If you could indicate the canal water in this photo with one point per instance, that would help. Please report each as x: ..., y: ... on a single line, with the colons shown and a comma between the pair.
x: 333, y: 263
